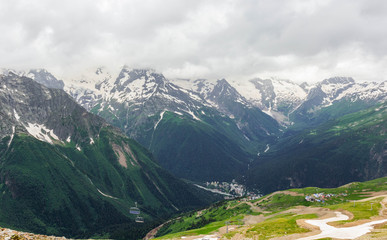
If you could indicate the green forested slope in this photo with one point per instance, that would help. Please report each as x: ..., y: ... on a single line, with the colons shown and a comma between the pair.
x: 351, y: 148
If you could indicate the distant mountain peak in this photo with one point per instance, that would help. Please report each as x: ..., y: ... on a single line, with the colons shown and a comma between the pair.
x: 38, y: 110
x: 99, y: 70
x: 338, y: 80
x: 137, y: 84
x: 8, y: 71
x: 42, y: 76
x: 222, y: 81
x: 223, y: 90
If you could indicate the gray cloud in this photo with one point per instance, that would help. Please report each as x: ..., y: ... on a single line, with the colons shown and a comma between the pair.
x: 294, y: 39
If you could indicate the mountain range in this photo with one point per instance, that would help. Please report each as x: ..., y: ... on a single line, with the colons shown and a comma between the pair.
x: 65, y: 171
x: 205, y: 130
x: 194, y: 136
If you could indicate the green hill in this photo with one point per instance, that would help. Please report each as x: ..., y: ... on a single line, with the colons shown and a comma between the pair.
x: 278, y: 214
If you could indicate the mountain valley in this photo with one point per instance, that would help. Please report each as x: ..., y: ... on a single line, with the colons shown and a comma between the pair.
x: 267, y: 134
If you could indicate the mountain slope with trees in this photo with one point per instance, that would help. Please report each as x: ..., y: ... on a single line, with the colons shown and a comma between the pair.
x: 350, y: 148
x: 65, y: 171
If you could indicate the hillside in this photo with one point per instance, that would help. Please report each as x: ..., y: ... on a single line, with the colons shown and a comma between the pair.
x: 336, y: 97
x: 283, y: 215
x: 350, y: 148
x: 187, y: 131
x: 67, y: 172
x: 194, y: 150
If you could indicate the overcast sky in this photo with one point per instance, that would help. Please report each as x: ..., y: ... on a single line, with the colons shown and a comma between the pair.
x: 232, y: 39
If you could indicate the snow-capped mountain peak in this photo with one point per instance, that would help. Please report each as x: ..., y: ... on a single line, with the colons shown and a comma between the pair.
x: 44, y: 77
x: 201, y: 86
x: 138, y: 83
x: 276, y: 97
x: 338, y: 80
x: 339, y: 88
x: 223, y: 91
x: 40, y: 75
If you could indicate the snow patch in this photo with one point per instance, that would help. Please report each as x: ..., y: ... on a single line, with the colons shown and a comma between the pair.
x: 78, y: 147
x: 16, y: 115
x: 91, y: 141
x: 161, y: 118
x: 68, y: 139
x: 13, y: 134
x: 193, y: 115
x: 267, y: 148
x: 41, y: 132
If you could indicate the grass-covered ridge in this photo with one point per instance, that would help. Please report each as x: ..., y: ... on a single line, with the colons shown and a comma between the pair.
x: 282, y: 213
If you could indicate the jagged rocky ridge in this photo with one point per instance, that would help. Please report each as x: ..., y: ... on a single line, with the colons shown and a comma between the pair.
x: 41, y: 76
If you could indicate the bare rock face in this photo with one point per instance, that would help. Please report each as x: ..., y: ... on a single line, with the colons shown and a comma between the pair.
x: 47, y: 114
x: 6, y: 233
x: 45, y: 78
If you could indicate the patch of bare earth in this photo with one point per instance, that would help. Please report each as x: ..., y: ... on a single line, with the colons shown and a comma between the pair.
x: 128, y: 150
x: 120, y: 154
x: 6, y: 233
x: 151, y: 234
